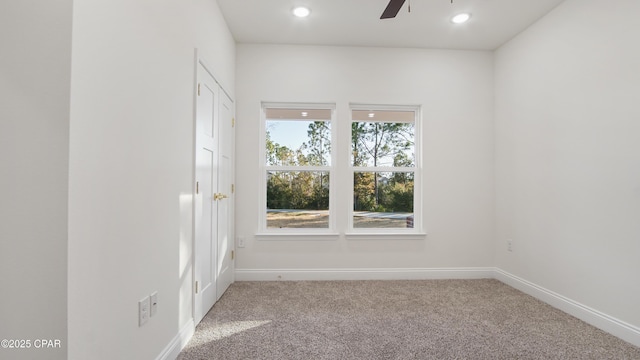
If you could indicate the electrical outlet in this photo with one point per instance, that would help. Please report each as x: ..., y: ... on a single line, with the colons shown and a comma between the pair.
x: 241, y: 242
x: 509, y: 245
x: 143, y: 311
x: 154, y: 304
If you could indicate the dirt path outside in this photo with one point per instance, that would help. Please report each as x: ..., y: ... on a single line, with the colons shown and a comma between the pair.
x: 320, y: 219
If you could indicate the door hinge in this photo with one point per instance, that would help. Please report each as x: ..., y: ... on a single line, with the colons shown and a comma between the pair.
x: 233, y: 188
x: 233, y: 254
x: 197, y: 187
x: 198, y: 89
x: 233, y: 122
x: 196, y: 287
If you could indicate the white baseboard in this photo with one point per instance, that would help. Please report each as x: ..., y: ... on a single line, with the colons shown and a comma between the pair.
x: 618, y: 328
x: 362, y: 274
x: 172, y: 350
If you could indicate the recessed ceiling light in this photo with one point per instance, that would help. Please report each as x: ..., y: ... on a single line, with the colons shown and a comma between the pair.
x: 304, y: 114
x: 301, y: 11
x: 371, y: 115
x: 461, y: 18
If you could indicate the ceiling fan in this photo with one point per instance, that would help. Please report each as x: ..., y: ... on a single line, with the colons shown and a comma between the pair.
x: 393, y: 8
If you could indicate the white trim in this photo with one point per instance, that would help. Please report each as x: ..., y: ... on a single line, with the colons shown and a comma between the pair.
x: 208, y: 68
x: 383, y: 107
x: 299, y: 105
x: 616, y: 327
x: 363, y: 274
x: 262, y: 187
x: 315, y: 234
x: 196, y: 66
x: 380, y: 169
x: 297, y: 235
x: 172, y: 350
x: 288, y: 168
x: 393, y: 234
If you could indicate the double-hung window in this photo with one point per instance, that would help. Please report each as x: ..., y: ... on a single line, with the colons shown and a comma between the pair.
x: 384, y: 168
x: 373, y: 189
x: 298, y: 165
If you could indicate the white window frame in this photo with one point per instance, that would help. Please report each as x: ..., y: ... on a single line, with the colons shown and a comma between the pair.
x: 417, y: 231
x: 266, y: 233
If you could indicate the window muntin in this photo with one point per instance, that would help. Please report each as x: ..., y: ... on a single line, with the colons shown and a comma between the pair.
x: 298, y: 158
x: 383, y: 163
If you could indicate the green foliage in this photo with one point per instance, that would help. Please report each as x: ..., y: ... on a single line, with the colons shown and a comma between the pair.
x: 373, y: 144
x: 319, y: 144
x: 382, y: 144
x: 302, y: 190
x: 393, y: 195
x: 399, y: 197
x: 364, y: 191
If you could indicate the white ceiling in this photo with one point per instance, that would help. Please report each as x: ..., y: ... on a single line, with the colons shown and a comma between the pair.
x: 357, y: 22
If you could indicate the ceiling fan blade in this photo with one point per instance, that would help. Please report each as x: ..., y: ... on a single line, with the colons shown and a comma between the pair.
x: 392, y: 9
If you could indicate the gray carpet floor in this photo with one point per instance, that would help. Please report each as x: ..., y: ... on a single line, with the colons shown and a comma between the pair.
x: 432, y: 319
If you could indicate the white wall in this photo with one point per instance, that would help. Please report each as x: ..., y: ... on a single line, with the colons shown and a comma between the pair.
x: 455, y: 89
x: 131, y: 168
x: 568, y: 184
x: 568, y: 155
x: 35, y: 38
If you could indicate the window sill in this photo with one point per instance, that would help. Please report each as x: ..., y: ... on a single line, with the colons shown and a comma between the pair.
x: 304, y: 236
x: 386, y: 236
x: 297, y: 236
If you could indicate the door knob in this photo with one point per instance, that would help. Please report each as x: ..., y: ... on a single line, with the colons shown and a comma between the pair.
x: 219, y: 196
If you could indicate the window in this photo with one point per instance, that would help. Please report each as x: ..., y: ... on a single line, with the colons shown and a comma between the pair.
x: 298, y: 166
x: 325, y: 174
x: 383, y: 163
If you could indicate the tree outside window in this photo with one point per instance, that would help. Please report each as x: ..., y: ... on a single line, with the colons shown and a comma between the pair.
x: 383, y: 163
x: 298, y: 167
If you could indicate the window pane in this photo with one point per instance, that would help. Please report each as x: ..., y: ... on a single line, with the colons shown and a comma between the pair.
x: 383, y: 199
x: 297, y: 199
x: 298, y: 143
x: 377, y: 143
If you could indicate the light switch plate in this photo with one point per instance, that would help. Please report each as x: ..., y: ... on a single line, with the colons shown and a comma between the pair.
x: 143, y: 311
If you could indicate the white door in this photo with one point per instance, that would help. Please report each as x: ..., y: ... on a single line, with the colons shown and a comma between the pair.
x: 206, y: 173
x: 225, y: 202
